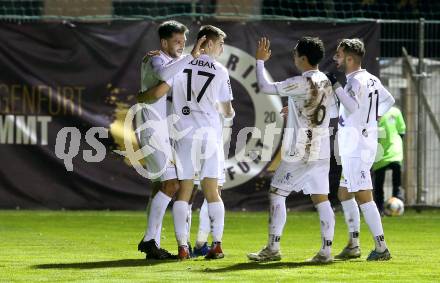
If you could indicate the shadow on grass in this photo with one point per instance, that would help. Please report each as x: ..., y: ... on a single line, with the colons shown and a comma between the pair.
x: 264, y: 265
x: 102, y: 264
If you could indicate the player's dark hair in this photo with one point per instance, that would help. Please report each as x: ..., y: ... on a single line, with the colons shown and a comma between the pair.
x: 353, y: 46
x: 211, y: 32
x: 166, y: 29
x: 312, y: 48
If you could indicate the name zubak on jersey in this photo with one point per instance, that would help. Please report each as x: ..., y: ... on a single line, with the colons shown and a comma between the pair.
x: 201, y: 63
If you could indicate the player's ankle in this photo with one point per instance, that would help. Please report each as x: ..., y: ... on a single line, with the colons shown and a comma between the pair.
x: 325, y: 252
x: 380, y: 249
x: 273, y: 248
x: 199, y: 244
x: 353, y: 244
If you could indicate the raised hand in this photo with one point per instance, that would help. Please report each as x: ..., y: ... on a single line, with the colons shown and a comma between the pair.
x: 197, y: 51
x: 263, y: 49
x: 150, y: 54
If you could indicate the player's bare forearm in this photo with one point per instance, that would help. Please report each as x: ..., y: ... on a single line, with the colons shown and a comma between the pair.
x: 230, y: 113
x: 142, y: 97
x: 227, y: 110
x: 153, y: 94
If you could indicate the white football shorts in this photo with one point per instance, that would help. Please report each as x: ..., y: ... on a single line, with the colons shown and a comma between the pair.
x: 310, y: 177
x: 356, y: 173
x: 221, y: 167
x: 197, y: 159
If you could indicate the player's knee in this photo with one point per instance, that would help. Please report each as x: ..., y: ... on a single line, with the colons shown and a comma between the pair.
x: 212, y: 197
x: 340, y: 195
x: 317, y: 199
x: 364, y: 196
x: 193, y: 195
x: 343, y: 194
x: 360, y: 200
x: 170, y: 187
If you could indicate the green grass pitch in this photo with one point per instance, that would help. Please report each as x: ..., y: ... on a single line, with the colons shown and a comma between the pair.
x: 90, y: 246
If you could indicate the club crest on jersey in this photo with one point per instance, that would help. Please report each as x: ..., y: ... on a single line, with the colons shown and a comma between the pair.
x: 201, y: 63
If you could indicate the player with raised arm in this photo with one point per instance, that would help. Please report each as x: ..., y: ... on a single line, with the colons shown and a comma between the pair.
x: 363, y: 100
x: 197, y: 90
x: 159, y: 164
x: 306, y: 153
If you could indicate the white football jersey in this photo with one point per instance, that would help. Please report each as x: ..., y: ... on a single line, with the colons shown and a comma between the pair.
x: 196, y: 90
x: 311, y: 103
x: 149, y: 79
x: 357, y: 133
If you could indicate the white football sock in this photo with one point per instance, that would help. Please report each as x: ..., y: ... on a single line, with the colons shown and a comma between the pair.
x: 180, y: 214
x: 159, y: 235
x: 374, y: 222
x: 327, y: 219
x: 216, y: 211
x: 277, y: 220
x: 158, y: 206
x: 150, y: 199
x: 353, y: 221
x: 204, y: 225
x: 188, y: 222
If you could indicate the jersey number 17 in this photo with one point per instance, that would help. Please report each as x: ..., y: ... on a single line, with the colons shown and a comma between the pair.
x: 205, y: 86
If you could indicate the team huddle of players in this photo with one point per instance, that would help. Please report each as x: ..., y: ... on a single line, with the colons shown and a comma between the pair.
x: 189, y: 97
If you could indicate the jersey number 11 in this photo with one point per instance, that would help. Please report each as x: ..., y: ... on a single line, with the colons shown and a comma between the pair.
x: 370, y: 95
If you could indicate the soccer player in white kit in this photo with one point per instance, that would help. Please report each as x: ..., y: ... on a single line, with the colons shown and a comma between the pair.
x: 159, y: 164
x: 202, y: 85
x: 306, y: 159
x: 201, y: 247
x: 363, y: 100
